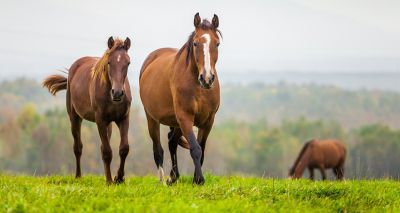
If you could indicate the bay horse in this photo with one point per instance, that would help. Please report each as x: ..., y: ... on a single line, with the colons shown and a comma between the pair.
x: 180, y: 89
x: 98, y: 91
x: 323, y: 154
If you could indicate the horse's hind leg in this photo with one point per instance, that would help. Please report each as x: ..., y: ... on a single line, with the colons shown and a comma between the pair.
x: 76, y: 122
x: 174, y: 136
x: 158, y: 152
x: 340, y: 167
x: 339, y: 172
x: 123, y: 148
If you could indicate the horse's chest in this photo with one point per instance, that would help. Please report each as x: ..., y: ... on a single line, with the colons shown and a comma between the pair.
x: 204, y: 109
x: 116, y: 112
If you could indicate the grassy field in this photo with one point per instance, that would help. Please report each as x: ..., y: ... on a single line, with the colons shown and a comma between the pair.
x: 226, y: 194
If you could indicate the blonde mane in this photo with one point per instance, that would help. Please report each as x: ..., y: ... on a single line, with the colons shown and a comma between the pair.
x: 100, y: 68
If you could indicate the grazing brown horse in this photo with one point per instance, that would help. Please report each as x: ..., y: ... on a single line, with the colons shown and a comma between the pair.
x: 323, y: 155
x: 180, y: 89
x: 98, y: 91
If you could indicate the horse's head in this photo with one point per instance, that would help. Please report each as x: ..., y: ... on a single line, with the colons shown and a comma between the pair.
x: 118, y: 62
x: 294, y: 173
x: 291, y: 172
x: 205, y: 44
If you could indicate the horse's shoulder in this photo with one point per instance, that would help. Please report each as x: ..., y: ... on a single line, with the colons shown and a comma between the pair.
x: 83, y: 60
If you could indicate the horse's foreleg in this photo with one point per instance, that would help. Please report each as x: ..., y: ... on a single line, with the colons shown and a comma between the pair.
x: 158, y: 152
x: 123, y: 126
x: 186, y: 124
x: 109, y: 131
x: 311, y: 171
x: 105, y: 148
x: 202, y: 136
x: 173, y: 137
x: 76, y: 122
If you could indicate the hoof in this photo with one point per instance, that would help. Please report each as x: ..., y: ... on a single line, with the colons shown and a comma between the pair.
x: 118, y: 180
x: 199, y: 180
x: 171, y: 181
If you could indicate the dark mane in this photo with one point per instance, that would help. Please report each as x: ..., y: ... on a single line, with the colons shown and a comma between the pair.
x: 305, y: 146
x: 99, y: 70
x: 205, y: 25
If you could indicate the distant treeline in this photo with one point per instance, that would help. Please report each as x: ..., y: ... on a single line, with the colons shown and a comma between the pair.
x: 260, y: 130
x: 285, y: 101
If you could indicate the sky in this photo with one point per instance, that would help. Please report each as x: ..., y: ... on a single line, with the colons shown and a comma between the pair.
x: 39, y: 37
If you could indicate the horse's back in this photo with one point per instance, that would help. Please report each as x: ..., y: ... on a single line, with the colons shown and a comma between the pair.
x: 333, y: 152
x: 82, y: 65
x: 153, y: 56
x: 155, y: 90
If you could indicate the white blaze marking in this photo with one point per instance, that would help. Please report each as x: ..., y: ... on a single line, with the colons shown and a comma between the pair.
x: 119, y: 58
x: 206, y: 50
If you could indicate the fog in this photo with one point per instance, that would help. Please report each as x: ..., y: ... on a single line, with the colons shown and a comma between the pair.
x: 39, y: 37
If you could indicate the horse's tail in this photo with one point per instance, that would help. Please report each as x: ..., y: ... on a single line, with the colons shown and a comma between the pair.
x: 181, y: 141
x: 344, y: 152
x: 55, y: 83
x: 303, y: 150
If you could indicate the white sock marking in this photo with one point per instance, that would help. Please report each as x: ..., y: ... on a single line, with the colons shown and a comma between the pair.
x: 161, y: 174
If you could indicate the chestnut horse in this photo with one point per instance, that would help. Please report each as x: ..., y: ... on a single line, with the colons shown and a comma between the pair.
x: 98, y: 91
x: 323, y: 155
x: 180, y: 89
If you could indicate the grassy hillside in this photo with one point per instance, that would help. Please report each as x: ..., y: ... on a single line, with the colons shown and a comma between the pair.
x: 238, y: 194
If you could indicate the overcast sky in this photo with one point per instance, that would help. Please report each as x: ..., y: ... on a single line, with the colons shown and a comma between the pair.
x: 39, y: 37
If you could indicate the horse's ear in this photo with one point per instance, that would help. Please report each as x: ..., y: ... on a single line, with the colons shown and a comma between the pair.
x: 110, y: 42
x: 197, y: 20
x: 127, y: 43
x: 215, y: 21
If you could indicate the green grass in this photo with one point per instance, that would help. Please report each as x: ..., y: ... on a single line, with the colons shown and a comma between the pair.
x: 223, y: 194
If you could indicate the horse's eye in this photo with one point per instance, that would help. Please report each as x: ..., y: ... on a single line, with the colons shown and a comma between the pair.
x: 195, y: 44
x: 218, y: 44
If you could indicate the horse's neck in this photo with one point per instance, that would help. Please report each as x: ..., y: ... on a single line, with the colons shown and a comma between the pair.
x: 101, y: 87
x: 185, y: 72
x: 302, y: 163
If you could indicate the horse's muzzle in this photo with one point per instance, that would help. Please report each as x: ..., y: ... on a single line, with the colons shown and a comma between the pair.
x: 117, y: 95
x: 206, y: 84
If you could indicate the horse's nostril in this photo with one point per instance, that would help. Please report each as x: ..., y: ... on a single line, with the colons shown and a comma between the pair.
x: 112, y: 91
x: 213, y: 77
x: 122, y: 92
x: 201, y: 77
